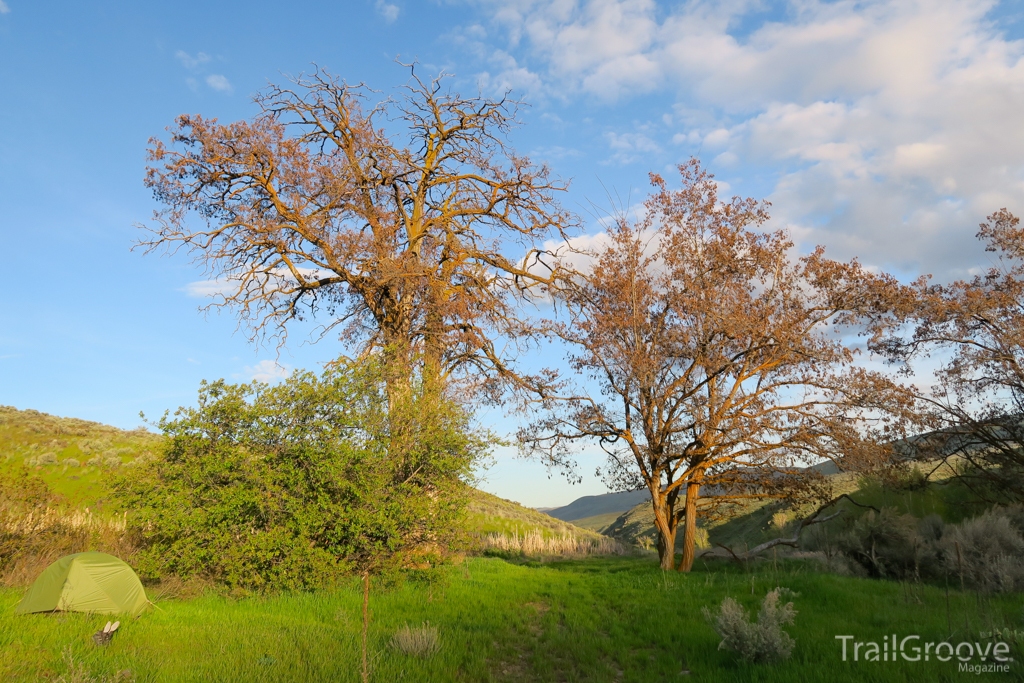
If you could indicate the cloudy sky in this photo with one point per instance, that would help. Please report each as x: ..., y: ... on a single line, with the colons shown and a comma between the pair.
x: 883, y: 130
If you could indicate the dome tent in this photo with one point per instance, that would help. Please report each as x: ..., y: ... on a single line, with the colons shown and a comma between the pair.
x: 86, y: 582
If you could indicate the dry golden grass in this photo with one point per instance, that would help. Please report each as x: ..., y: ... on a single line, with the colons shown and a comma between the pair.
x: 419, y: 641
x: 534, y: 543
x: 31, y: 538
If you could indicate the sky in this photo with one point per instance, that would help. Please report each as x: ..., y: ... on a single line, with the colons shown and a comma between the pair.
x: 885, y: 131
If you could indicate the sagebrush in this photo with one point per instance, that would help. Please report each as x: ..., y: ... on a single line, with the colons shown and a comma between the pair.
x: 760, y: 641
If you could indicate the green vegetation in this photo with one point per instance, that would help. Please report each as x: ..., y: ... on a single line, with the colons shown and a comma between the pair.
x: 488, y: 513
x: 912, y: 493
x: 514, y: 617
x: 290, y: 486
x: 590, y: 620
x: 598, y: 523
x: 75, y: 458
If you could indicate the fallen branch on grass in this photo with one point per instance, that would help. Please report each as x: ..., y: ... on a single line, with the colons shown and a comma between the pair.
x: 794, y: 541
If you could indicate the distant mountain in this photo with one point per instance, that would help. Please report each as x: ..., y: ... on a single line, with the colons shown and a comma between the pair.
x: 591, y: 506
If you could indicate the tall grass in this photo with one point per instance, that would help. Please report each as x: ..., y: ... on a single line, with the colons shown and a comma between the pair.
x: 48, y: 518
x: 32, y: 540
x: 534, y: 543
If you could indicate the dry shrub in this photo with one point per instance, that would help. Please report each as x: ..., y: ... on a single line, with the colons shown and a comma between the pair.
x: 421, y: 641
x: 536, y: 544
x: 763, y: 641
x: 987, y: 552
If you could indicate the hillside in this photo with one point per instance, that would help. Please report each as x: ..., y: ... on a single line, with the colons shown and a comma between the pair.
x: 757, y: 522
x: 491, y: 514
x: 74, y: 457
x: 599, y: 506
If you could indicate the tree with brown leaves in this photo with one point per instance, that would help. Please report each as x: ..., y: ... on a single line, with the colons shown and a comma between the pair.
x: 976, y: 405
x: 716, y: 362
x: 416, y: 241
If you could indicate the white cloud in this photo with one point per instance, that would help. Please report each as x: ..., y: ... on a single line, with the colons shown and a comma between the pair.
x: 266, y: 371
x: 892, y: 127
x: 630, y: 147
x: 218, y: 83
x: 4, y: 8
x: 509, y: 76
x: 387, y: 10
x: 208, y: 288
x: 227, y: 285
x: 191, y: 62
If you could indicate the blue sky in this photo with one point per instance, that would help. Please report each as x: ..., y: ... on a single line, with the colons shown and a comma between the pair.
x: 883, y: 130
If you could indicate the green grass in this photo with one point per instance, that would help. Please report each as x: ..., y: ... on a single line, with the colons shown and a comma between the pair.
x: 591, y: 620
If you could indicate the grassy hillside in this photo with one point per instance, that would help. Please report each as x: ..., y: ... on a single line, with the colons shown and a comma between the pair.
x: 760, y: 521
x: 598, y: 523
x: 74, y: 457
x: 491, y: 514
x: 607, y: 620
x: 592, y: 506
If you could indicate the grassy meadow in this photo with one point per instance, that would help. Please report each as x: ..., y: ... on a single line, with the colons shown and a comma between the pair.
x: 595, y: 619
x: 539, y: 600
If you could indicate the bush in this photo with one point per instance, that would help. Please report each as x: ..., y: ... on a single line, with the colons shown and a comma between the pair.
x: 886, y: 545
x: 987, y: 552
x: 764, y: 641
x: 285, y: 487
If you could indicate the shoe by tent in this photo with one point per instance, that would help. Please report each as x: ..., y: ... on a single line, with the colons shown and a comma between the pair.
x: 86, y: 582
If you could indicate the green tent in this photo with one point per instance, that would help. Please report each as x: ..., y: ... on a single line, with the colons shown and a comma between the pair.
x: 86, y: 582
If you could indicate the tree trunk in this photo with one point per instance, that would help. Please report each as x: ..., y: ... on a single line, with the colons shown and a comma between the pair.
x: 664, y: 522
x: 366, y: 626
x: 689, y: 526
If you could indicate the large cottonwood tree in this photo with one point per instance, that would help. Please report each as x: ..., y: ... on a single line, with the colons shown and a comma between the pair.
x: 717, y: 359
x: 409, y: 225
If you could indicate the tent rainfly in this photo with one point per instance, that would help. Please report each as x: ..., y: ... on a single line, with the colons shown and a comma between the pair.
x: 86, y: 582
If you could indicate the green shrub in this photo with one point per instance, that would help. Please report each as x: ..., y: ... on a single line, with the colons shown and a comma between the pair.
x: 763, y: 641
x: 284, y: 487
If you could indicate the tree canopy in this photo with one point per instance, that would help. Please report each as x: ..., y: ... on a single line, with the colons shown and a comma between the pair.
x: 975, y: 328
x: 418, y: 242
x: 719, y: 361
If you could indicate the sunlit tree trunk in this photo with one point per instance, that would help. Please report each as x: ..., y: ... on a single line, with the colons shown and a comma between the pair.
x: 689, y: 526
x: 665, y: 524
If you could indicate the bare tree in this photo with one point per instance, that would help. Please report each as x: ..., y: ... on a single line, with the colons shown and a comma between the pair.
x: 976, y: 406
x: 417, y: 243
x: 715, y: 360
